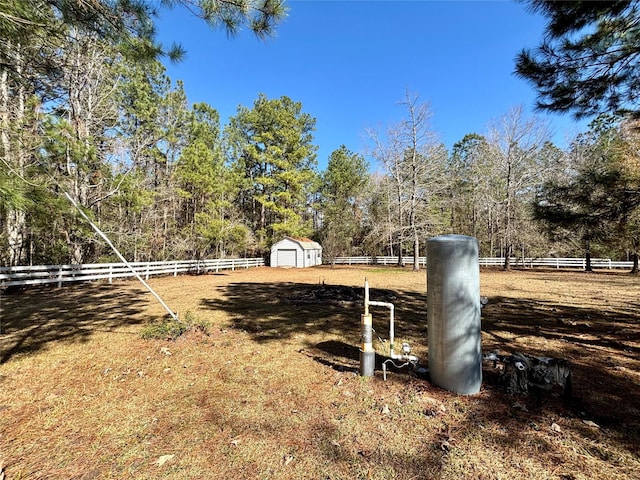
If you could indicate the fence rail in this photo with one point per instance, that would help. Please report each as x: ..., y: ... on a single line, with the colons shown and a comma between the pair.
x: 59, y: 274
x: 558, y: 263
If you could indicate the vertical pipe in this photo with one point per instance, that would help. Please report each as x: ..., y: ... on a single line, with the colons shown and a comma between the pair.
x: 366, y: 296
x: 367, y: 354
x: 392, y: 330
x: 453, y: 313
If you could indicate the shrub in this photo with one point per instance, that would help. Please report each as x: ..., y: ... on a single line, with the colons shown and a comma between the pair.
x: 170, y: 329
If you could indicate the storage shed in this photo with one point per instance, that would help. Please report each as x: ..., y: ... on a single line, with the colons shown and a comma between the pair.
x: 296, y: 252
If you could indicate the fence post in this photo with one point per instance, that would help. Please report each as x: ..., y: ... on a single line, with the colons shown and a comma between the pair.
x: 146, y: 277
x: 60, y: 276
x: 110, y: 273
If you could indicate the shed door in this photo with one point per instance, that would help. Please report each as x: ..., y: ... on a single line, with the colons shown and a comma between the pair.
x: 286, y: 258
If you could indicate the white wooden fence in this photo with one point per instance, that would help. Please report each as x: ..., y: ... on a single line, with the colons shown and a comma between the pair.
x: 496, y: 261
x: 59, y: 274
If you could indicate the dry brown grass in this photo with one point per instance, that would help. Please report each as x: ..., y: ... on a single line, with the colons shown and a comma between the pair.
x: 272, y: 393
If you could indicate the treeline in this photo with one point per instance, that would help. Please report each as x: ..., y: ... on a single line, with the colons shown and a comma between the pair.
x: 87, y: 115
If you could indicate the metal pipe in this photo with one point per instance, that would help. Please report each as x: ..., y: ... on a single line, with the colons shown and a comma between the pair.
x: 117, y: 252
x: 366, y: 297
x: 384, y: 366
x: 367, y: 353
x: 391, y: 308
x: 392, y: 354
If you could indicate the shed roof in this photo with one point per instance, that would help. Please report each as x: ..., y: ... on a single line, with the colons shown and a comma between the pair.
x: 305, y: 243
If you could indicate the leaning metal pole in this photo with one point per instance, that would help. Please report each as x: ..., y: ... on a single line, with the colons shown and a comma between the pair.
x: 133, y: 270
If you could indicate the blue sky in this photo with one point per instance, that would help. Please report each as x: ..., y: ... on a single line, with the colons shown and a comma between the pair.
x: 350, y: 62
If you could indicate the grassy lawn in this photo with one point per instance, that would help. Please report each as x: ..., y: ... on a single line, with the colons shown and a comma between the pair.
x: 271, y: 391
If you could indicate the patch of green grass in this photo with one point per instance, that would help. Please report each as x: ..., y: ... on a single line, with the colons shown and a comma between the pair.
x: 170, y: 328
x: 165, y: 329
x: 196, y: 324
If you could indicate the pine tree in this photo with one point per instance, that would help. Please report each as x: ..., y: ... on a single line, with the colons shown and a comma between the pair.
x: 464, y: 188
x: 48, y: 53
x: 272, y: 144
x: 343, y: 183
x: 588, y: 63
x: 600, y: 200
x: 208, y: 188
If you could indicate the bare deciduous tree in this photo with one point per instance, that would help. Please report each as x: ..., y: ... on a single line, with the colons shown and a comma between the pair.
x: 414, y: 159
x: 515, y: 145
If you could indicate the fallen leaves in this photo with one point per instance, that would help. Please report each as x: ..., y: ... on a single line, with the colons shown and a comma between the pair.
x: 164, y: 459
x: 590, y: 423
x: 433, y: 407
x: 446, y: 442
x: 519, y: 406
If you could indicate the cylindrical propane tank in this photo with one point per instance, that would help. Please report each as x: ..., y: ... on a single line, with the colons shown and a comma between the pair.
x: 453, y: 313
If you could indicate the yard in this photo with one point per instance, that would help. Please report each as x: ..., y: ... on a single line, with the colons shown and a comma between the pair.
x: 271, y: 390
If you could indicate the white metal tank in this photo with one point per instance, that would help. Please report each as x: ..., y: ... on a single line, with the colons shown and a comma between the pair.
x: 453, y: 313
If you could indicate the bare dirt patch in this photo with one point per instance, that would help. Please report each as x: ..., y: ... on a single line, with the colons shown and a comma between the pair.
x: 272, y: 392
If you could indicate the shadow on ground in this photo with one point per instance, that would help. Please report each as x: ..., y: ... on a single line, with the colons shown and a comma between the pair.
x: 277, y: 311
x: 35, y: 318
x: 602, y: 346
x: 598, y: 343
x: 344, y: 357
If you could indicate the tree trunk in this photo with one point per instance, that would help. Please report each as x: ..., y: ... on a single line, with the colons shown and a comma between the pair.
x: 634, y: 268
x: 508, y: 240
x: 15, y: 223
x: 634, y: 255
x: 587, y: 256
x: 400, y: 235
x: 507, y: 257
x: 15, y: 218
